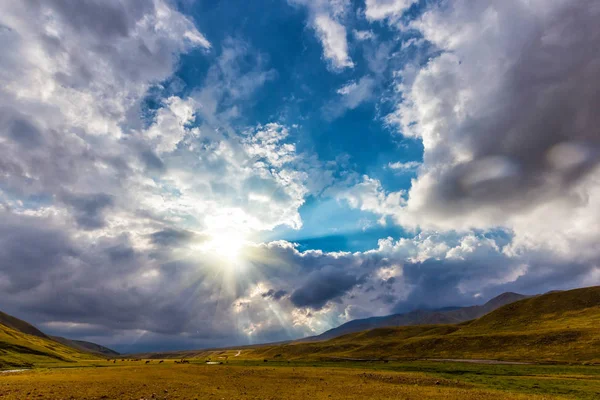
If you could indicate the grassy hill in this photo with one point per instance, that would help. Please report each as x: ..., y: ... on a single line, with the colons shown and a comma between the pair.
x: 18, y: 349
x: 20, y: 325
x: 23, y: 345
x: 555, y: 327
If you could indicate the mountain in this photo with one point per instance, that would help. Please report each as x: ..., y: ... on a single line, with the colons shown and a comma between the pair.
x: 449, y: 315
x: 86, y: 346
x: 553, y: 327
x: 23, y: 345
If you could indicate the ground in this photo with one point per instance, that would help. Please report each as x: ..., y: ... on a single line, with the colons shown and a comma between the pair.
x: 246, y: 380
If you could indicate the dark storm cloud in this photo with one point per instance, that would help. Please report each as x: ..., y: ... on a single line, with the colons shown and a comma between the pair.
x: 29, y: 251
x: 533, y: 131
x: 322, y: 286
x: 272, y: 294
x: 435, y: 283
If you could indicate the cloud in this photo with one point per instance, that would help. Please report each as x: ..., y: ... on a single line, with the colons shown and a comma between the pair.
x: 369, y: 195
x: 404, y: 166
x: 333, y: 37
x: 363, y: 35
x: 324, y: 18
x: 163, y: 295
x: 495, y: 135
x: 376, y: 10
x: 322, y: 286
x: 506, y: 143
x: 350, y: 96
x: 89, y: 208
x: 170, y: 237
x: 104, y: 202
x: 276, y: 295
x: 169, y: 127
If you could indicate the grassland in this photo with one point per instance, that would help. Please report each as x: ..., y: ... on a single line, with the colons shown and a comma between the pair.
x: 347, y: 380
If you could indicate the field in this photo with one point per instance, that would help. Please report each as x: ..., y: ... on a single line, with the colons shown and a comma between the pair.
x: 342, y: 380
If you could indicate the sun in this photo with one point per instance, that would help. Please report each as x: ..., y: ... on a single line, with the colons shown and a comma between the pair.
x: 226, y: 246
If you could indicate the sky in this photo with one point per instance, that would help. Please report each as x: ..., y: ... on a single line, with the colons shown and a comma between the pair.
x: 180, y: 174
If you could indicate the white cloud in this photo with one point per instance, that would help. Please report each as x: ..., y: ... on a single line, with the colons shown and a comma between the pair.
x: 404, y: 166
x: 325, y: 18
x: 351, y: 95
x: 370, y: 196
x: 170, y: 123
x: 363, y: 35
x: 509, y: 136
x: 381, y: 9
x: 333, y: 37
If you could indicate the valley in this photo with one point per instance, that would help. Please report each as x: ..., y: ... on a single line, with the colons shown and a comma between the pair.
x: 539, y: 347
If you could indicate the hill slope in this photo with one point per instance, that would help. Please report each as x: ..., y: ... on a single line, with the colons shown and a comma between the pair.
x: 86, y: 346
x: 20, y: 325
x: 420, y: 317
x: 22, y: 345
x: 559, y: 326
x: 18, y: 349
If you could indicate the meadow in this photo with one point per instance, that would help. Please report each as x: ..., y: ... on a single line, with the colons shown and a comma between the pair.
x: 301, y: 380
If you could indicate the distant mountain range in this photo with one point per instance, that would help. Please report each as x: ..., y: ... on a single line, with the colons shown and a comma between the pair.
x: 558, y: 326
x: 448, y: 315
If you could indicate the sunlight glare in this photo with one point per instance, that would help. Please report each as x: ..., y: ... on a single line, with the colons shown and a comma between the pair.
x: 226, y: 246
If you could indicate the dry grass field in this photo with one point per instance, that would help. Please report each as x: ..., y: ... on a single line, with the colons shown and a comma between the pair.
x: 198, y: 381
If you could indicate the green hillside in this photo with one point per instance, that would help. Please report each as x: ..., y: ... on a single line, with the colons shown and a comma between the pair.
x: 20, y: 325
x: 23, y: 345
x: 559, y: 326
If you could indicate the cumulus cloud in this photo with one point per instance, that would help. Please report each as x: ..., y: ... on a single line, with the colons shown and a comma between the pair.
x: 516, y: 134
x: 126, y: 195
x: 369, y: 195
x: 325, y: 18
x: 504, y: 109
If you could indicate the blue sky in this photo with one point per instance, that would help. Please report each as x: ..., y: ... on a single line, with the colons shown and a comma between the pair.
x: 189, y: 173
x: 302, y: 91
